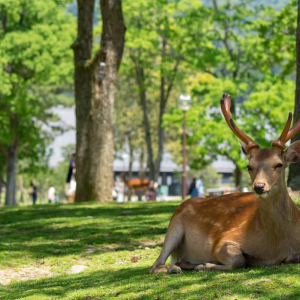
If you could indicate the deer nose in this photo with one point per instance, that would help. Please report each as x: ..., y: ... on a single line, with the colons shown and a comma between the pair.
x: 259, y: 188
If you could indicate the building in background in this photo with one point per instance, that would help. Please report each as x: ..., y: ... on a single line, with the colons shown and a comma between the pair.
x: 169, y: 178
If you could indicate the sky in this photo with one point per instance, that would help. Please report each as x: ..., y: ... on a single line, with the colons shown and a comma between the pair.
x: 67, y: 116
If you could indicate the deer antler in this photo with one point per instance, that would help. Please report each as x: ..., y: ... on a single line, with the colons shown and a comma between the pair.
x: 287, y: 134
x: 225, y: 106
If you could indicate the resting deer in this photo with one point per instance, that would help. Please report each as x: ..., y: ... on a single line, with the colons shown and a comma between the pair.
x: 241, y: 229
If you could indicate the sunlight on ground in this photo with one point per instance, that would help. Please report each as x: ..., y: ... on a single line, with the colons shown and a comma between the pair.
x: 92, y: 251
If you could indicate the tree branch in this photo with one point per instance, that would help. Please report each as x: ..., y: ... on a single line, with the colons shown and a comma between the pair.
x: 170, y: 86
x: 4, y: 149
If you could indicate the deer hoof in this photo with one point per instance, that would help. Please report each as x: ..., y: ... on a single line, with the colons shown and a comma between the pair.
x: 158, y: 269
x: 173, y: 269
x: 200, y: 268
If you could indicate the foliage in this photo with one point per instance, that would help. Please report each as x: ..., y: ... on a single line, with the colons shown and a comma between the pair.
x: 128, y: 120
x: 44, y: 176
x: 276, y: 34
x: 208, y: 133
x: 34, y: 53
x: 55, y: 237
x: 228, y: 63
x: 211, y: 178
x: 153, y: 56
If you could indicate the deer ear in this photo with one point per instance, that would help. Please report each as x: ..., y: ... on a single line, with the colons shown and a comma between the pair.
x: 292, y: 154
x: 244, y: 149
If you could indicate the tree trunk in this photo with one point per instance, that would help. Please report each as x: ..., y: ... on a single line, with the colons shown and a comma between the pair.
x: 130, y: 157
x: 21, y: 188
x: 140, y: 78
x: 11, y: 171
x: 130, y: 164
x: 237, y: 177
x: 142, y: 171
x: 94, y: 95
x: 294, y: 169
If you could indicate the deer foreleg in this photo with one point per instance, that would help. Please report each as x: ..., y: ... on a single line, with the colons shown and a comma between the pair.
x: 173, y: 238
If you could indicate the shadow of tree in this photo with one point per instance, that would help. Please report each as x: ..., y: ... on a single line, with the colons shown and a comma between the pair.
x: 51, y: 230
x: 135, y: 283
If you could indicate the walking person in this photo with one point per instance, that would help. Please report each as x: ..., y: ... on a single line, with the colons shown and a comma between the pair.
x: 51, y: 194
x: 200, y: 187
x: 33, y: 193
x: 193, y: 192
x: 71, y: 173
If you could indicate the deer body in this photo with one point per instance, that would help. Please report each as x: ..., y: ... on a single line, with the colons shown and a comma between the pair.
x: 241, y: 229
x: 238, y: 219
x: 136, y: 184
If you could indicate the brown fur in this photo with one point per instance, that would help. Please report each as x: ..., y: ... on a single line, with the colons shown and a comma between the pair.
x: 136, y: 184
x: 237, y: 230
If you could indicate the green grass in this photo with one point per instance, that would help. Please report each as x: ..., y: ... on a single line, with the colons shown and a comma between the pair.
x: 55, y: 237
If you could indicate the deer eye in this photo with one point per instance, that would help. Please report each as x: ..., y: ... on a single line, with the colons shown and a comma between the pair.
x: 249, y: 168
x: 278, y: 166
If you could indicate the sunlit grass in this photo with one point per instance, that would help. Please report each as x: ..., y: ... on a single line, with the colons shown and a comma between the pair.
x: 56, y: 237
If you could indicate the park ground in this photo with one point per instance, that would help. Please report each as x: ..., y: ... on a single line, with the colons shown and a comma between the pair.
x: 43, y: 247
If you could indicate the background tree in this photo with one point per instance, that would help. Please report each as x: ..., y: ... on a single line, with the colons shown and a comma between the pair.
x: 34, y: 53
x: 229, y: 64
x: 294, y: 169
x: 94, y: 95
x: 128, y: 124
x: 153, y: 56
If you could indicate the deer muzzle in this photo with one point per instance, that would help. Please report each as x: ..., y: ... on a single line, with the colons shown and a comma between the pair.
x: 259, y: 188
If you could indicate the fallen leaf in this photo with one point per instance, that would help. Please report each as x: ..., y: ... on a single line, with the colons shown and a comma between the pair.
x: 134, y: 259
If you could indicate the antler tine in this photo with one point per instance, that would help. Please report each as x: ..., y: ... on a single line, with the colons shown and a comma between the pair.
x: 280, y: 142
x: 292, y: 132
x: 225, y: 107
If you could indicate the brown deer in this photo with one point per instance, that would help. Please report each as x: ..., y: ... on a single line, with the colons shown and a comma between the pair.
x: 241, y: 229
x: 136, y: 184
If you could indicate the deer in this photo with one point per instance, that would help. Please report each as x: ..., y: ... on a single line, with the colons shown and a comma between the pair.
x: 136, y: 184
x: 259, y: 228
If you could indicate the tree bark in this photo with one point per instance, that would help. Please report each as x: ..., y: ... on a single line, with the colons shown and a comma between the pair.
x: 11, y: 171
x: 130, y: 164
x: 130, y: 157
x: 140, y: 78
x: 154, y: 164
x: 294, y: 169
x: 142, y: 171
x: 94, y: 95
x: 237, y: 176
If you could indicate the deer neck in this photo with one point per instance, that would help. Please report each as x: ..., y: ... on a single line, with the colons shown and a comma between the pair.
x: 278, y: 214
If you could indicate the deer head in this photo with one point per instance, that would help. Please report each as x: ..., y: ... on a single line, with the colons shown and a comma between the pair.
x: 266, y: 166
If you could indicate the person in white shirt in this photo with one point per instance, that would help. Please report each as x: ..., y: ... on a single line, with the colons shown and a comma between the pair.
x: 200, y: 187
x: 51, y: 194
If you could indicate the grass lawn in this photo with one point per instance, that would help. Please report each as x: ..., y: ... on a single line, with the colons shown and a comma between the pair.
x: 40, y: 244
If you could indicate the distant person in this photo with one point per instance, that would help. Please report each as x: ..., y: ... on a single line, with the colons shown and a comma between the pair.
x: 56, y: 196
x: 71, y: 189
x: 72, y: 166
x: 192, y: 190
x: 200, y: 187
x: 51, y: 194
x: 33, y: 193
x: 151, y: 191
